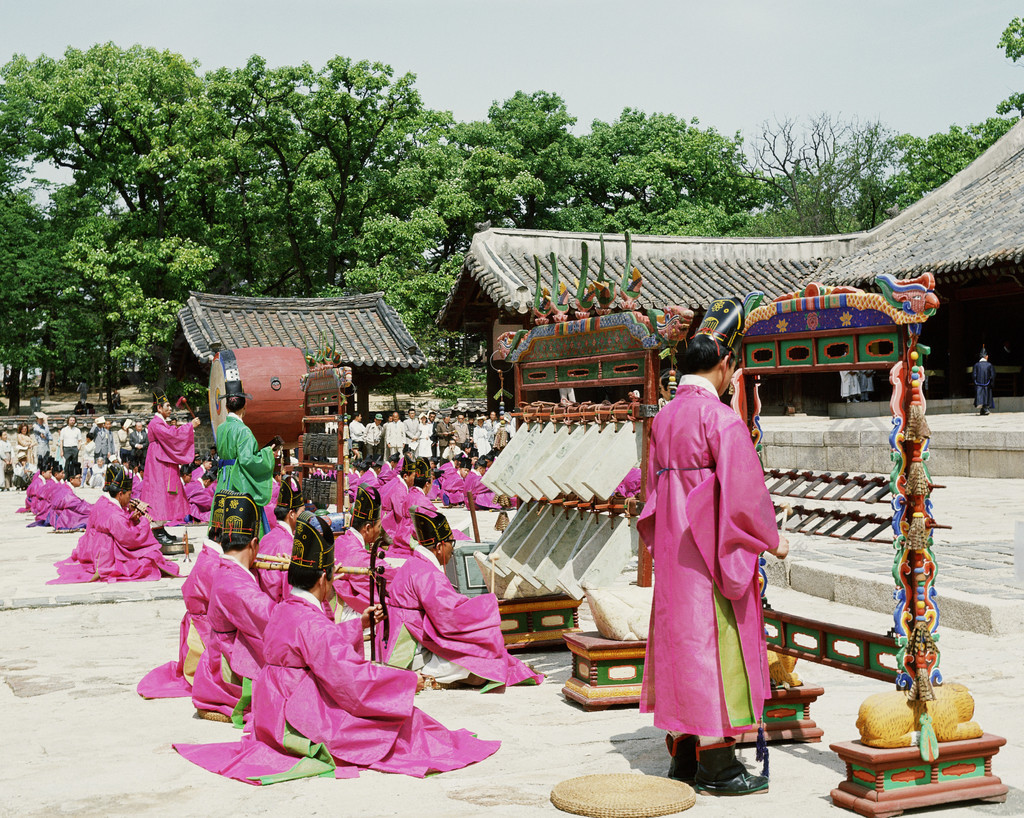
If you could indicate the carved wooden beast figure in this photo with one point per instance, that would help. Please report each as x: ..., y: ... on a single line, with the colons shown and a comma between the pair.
x: 890, y: 719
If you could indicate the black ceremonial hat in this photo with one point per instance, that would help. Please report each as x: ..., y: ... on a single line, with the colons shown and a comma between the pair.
x: 290, y: 496
x: 366, y: 508
x: 160, y: 398
x: 725, y: 318
x: 72, y: 469
x: 313, y: 546
x: 421, y: 468
x: 431, y: 529
x: 217, y: 511
x: 241, y: 515
x: 117, y: 477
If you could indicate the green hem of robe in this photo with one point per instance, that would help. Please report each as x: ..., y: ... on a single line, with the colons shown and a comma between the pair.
x: 735, y: 684
x: 315, y: 761
x: 244, y: 703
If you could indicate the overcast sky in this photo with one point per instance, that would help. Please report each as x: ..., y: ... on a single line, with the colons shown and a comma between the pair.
x: 918, y: 66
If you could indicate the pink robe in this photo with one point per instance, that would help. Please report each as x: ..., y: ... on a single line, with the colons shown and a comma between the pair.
x: 452, y: 486
x: 354, y: 589
x: 238, y: 614
x: 707, y: 518
x: 460, y: 629
x: 169, y: 448
x: 69, y: 512
x: 483, y: 497
x: 318, y: 684
x: 630, y: 485
x: 275, y: 543
x: 396, y: 521
x: 114, y: 548
x: 417, y: 500
x: 200, y: 499
x: 35, y: 500
x: 43, y: 501
x: 34, y: 487
x: 174, y: 679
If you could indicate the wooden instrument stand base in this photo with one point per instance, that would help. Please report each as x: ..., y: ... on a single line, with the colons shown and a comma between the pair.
x: 539, y: 621
x: 880, y: 783
x: 787, y: 716
x: 605, y: 672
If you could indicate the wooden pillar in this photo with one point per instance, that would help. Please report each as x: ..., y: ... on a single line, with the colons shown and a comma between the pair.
x: 652, y: 382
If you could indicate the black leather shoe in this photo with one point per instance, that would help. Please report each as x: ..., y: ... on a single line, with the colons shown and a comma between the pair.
x: 683, y: 750
x: 719, y: 772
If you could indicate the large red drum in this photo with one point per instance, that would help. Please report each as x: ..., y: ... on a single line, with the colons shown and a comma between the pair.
x: 272, y: 375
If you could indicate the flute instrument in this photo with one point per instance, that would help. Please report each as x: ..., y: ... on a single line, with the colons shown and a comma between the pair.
x: 275, y: 562
x: 139, y: 508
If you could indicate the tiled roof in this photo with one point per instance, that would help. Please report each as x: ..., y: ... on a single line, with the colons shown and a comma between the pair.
x: 368, y: 331
x: 974, y: 221
x: 689, y: 272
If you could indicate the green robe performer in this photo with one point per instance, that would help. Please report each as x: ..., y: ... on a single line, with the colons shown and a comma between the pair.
x: 243, y: 466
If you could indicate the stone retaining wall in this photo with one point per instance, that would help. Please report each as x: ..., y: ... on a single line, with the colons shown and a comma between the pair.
x: 953, y: 454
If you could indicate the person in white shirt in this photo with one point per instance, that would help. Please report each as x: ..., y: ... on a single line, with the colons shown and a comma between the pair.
x: 424, y: 448
x: 412, y: 431
x: 96, y: 480
x: 394, y: 436
x: 374, y: 438
x: 70, y: 440
x: 357, y: 435
x: 481, y: 437
x: 6, y: 462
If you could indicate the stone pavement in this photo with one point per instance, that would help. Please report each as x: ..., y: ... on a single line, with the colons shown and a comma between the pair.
x: 79, y: 741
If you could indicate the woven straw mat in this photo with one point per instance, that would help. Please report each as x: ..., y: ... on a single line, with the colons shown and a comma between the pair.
x: 622, y: 795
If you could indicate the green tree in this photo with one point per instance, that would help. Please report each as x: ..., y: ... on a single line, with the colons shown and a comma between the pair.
x: 129, y: 125
x: 826, y: 177
x: 659, y: 173
x: 1012, y: 44
x: 925, y: 163
x: 28, y: 280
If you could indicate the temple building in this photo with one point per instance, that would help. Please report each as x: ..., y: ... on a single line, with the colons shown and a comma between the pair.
x: 363, y: 331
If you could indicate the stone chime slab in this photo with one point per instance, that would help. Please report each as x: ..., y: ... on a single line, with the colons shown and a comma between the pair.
x: 548, y: 549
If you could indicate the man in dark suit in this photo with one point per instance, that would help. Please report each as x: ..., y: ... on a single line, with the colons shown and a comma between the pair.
x: 984, y: 379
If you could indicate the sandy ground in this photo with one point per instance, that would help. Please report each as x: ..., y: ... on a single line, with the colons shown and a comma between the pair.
x: 77, y: 740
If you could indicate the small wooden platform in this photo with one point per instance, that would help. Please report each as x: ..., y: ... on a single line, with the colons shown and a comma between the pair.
x: 787, y: 716
x: 605, y: 672
x: 540, y: 622
x: 880, y: 783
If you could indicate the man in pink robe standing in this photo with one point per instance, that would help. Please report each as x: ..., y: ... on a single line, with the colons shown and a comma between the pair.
x: 318, y: 707
x: 707, y: 518
x: 169, y: 447
x: 436, y: 630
